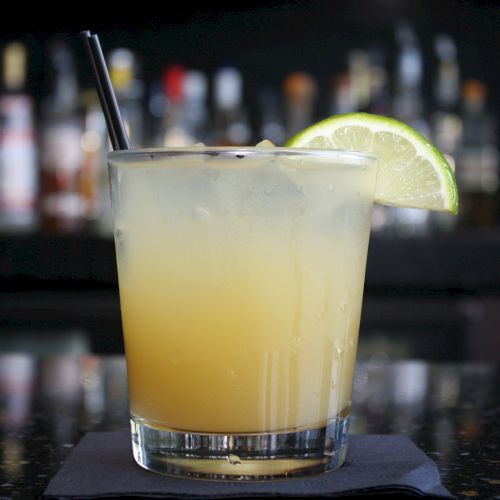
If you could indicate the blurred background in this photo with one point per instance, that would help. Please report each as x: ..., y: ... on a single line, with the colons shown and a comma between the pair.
x: 226, y: 74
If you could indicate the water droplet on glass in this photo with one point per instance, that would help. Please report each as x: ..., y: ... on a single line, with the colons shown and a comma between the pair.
x: 268, y: 192
x: 296, y: 343
x: 330, y: 188
x: 343, y: 307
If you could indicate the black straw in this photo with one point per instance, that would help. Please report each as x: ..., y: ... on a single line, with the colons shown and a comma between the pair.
x: 112, y: 135
x: 109, y: 104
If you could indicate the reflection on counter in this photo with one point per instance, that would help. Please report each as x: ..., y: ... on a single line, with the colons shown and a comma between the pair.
x: 448, y: 410
x: 47, y: 403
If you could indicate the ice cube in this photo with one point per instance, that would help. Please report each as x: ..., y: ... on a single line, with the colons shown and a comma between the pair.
x: 265, y: 144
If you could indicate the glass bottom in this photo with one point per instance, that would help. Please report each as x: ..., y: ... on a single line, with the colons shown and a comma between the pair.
x: 240, y: 456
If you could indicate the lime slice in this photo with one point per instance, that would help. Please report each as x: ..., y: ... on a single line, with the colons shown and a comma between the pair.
x: 411, y: 171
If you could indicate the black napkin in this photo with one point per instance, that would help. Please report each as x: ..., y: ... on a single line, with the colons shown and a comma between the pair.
x: 101, y: 465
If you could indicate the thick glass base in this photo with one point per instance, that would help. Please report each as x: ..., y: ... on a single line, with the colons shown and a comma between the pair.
x: 240, y: 456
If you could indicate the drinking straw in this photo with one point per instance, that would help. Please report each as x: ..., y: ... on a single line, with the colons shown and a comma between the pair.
x: 109, y: 104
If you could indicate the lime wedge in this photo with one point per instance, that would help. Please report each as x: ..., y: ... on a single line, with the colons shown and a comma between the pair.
x: 411, y: 171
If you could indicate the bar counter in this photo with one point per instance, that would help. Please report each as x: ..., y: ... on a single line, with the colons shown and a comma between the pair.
x: 451, y: 411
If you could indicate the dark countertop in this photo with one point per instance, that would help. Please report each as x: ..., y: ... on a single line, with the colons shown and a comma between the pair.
x: 451, y: 411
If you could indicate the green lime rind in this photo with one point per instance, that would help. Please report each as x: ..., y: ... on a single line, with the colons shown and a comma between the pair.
x: 412, y: 171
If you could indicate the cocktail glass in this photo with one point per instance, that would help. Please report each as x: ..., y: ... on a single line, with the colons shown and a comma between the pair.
x: 241, y: 274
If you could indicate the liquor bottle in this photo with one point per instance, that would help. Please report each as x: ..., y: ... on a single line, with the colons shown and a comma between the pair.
x: 185, y: 115
x: 174, y: 130
x: 129, y: 89
x: 477, y: 161
x: 300, y: 92
x: 408, y: 106
x: 360, y: 78
x: 94, y: 176
x: 343, y: 98
x: 230, y: 117
x: 446, y: 124
x: 380, y: 95
x: 195, y: 105
x: 62, y: 201
x: 18, y: 162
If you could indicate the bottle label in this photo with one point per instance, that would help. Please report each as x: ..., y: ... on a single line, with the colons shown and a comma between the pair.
x: 62, y: 151
x: 18, y: 168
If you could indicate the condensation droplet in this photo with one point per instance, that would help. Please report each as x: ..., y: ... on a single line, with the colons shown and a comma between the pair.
x: 268, y: 192
x: 343, y: 307
x: 296, y: 344
x: 330, y: 188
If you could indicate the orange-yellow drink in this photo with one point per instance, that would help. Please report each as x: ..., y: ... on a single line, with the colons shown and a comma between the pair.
x: 241, y: 277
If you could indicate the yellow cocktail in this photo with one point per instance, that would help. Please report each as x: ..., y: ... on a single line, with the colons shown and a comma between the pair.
x: 241, y: 277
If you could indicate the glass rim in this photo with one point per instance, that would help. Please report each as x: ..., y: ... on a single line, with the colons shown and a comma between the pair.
x: 236, y: 151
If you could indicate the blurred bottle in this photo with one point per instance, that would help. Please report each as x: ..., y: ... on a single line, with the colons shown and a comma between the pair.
x: 174, y: 133
x: 156, y: 106
x: 477, y: 161
x: 185, y: 112
x: 195, y: 105
x: 343, y: 99
x: 408, y: 106
x: 129, y: 89
x: 62, y: 201
x: 230, y: 117
x: 360, y: 78
x: 446, y: 123
x: 271, y: 123
x: 379, y: 92
x: 18, y: 167
x: 94, y: 176
x: 300, y: 92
